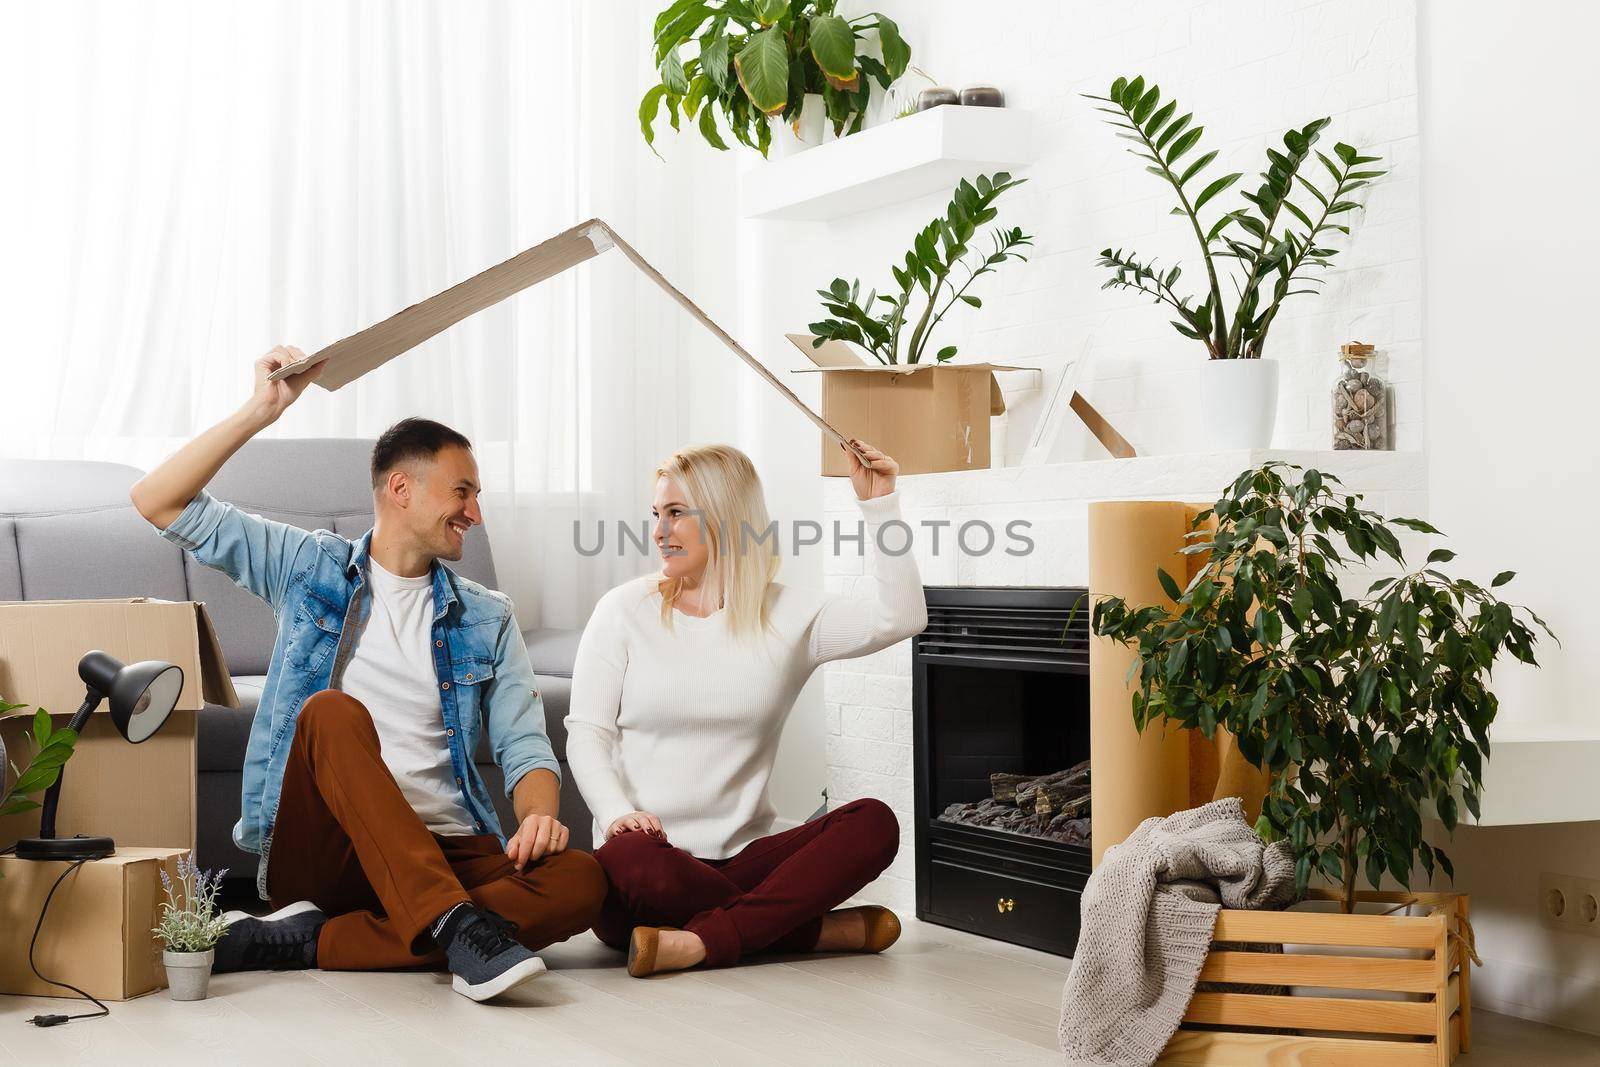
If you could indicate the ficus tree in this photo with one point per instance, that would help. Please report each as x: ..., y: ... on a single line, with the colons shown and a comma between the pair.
x: 1363, y: 709
x: 750, y: 60
x: 1269, y: 249
x: 939, y: 269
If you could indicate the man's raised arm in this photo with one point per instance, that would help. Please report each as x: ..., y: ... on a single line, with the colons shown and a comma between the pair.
x: 162, y: 494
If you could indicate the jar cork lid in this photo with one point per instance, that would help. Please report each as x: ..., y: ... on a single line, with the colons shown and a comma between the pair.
x: 1356, y: 350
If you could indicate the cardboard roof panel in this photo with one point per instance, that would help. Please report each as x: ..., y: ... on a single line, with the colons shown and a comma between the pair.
x: 371, y: 348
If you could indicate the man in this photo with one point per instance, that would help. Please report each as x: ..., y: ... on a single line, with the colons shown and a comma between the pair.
x: 379, y: 843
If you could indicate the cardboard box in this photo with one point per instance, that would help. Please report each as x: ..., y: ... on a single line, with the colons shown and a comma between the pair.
x: 97, y: 933
x: 139, y: 795
x: 369, y: 349
x: 929, y: 416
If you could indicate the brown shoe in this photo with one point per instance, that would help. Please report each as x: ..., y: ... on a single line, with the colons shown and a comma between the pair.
x: 883, y: 927
x: 642, y: 950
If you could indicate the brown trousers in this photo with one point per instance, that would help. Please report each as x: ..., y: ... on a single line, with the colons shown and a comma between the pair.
x: 347, y: 840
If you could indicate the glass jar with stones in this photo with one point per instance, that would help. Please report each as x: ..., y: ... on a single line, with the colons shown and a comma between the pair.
x: 1360, y: 402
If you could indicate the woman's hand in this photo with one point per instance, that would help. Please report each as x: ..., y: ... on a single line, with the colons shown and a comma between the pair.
x: 636, y: 820
x: 538, y: 836
x: 876, y: 477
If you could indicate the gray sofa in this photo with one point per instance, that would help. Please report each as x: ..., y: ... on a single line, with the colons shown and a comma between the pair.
x: 67, y: 532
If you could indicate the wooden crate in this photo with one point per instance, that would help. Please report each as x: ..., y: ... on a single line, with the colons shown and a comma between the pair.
x: 1428, y: 1028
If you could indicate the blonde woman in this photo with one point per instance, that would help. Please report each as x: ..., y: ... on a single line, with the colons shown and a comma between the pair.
x: 682, y: 684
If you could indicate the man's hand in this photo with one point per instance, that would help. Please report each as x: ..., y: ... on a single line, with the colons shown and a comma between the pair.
x: 636, y: 820
x: 538, y: 836
x: 874, y: 479
x: 271, y: 399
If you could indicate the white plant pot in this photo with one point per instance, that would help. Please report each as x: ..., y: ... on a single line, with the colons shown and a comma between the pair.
x: 188, y: 973
x: 804, y: 132
x: 1239, y: 403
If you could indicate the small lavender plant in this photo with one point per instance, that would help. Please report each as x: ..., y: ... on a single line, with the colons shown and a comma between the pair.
x: 190, y: 921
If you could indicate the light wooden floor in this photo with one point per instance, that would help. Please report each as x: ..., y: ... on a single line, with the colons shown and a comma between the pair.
x: 938, y: 997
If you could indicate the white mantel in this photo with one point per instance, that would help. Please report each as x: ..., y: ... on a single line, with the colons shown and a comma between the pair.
x: 868, y: 701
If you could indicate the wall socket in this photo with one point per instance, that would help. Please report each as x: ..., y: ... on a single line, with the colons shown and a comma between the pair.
x: 1570, y: 903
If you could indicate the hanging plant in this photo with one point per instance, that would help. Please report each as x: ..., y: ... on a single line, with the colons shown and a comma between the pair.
x: 754, y: 60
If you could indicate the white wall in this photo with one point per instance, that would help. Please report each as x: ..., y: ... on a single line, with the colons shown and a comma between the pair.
x: 1511, y: 381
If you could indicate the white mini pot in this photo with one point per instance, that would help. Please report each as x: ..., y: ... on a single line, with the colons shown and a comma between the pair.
x: 188, y: 973
x: 804, y: 132
x: 1239, y: 403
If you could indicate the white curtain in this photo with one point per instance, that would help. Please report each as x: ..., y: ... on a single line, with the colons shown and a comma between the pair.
x: 188, y: 183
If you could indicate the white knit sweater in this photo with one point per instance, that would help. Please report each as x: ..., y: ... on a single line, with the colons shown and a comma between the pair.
x: 684, y: 723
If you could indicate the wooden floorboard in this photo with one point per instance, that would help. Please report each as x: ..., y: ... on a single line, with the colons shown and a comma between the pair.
x: 941, y: 996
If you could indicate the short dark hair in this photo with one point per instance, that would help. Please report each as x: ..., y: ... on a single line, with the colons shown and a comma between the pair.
x: 411, y: 439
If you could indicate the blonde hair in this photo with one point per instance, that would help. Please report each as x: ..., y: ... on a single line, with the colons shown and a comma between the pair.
x: 721, y: 484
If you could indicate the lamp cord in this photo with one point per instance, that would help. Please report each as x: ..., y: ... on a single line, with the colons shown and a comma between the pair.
x: 57, y: 1020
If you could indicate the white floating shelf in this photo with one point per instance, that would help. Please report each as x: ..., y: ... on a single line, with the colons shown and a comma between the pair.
x: 1529, y: 780
x: 900, y: 160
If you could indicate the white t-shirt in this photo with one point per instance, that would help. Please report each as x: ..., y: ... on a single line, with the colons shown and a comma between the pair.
x: 390, y: 670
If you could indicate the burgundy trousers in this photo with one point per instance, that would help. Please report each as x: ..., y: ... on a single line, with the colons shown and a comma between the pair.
x: 348, y: 840
x: 770, y: 897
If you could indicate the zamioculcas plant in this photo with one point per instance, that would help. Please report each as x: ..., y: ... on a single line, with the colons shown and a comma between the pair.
x: 928, y: 278
x: 1268, y: 249
x: 1361, y: 708
x: 757, y: 59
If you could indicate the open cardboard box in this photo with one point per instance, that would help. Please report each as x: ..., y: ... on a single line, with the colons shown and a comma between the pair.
x: 139, y: 795
x: 930, y: 417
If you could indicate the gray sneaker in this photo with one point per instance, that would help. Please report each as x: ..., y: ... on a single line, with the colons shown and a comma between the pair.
x: 483, y: 953
x: 286, y: 940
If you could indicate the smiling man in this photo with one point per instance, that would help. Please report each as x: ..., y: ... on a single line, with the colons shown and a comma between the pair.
x: 379, y: 843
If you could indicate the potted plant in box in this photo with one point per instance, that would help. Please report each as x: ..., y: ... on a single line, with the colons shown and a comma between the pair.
x: 1271, y: 247
x: 757, y: 62
x: 1362, y: 709
x: 190, y: 928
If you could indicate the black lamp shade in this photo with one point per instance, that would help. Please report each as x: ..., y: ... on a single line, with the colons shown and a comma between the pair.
x: 140, y: 695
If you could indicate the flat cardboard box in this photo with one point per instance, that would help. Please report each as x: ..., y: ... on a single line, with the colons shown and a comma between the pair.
x: 96, y: 935
x: 929, y: 416
x: 368, y: 349
x: 138, y: 795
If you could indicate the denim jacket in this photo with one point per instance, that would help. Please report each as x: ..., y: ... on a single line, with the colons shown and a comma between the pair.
x: 315, y: 583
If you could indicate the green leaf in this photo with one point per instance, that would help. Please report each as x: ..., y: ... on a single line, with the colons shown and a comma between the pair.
x: 768, y: 12
x: 41, y: 727
x: 1214, y: 188
x: 1441, y: 555
x: 763, y: 69
x: 1502, y: 578
x: 833, y: 45
x: 1183, y: 144
x: 672, y: 75
x: 1168, y: 584
x: 896, y: 53
x: 714, y: 61
x: 708, y: 129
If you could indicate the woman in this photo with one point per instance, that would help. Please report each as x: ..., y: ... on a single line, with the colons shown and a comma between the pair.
x: 682, y: 684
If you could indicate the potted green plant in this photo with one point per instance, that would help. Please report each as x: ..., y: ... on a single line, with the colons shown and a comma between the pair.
x: 53, y: 748
x: 929, y: 284
x: 190, y: 927
x: 1270, y: 248
x: 1362, y: 709
x: 795, y: 63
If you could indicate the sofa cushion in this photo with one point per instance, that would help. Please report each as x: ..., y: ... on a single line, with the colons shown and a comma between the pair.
x: 223, y: 732
x: 552, y: 652
x: 10, y: 566
x: 38, y: 486
x: 86, y: 555
x: 245, y: 625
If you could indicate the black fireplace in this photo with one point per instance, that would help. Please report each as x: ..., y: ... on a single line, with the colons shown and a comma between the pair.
x: 1000, y: 692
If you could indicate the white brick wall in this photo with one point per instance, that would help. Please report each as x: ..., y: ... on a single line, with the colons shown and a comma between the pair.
x: 1248, y: 71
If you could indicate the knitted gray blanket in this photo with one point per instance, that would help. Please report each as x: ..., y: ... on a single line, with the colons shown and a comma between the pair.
x: 1148, y: 912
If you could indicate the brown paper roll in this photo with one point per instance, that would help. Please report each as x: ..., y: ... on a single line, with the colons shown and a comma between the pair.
x: 1135, y: 775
